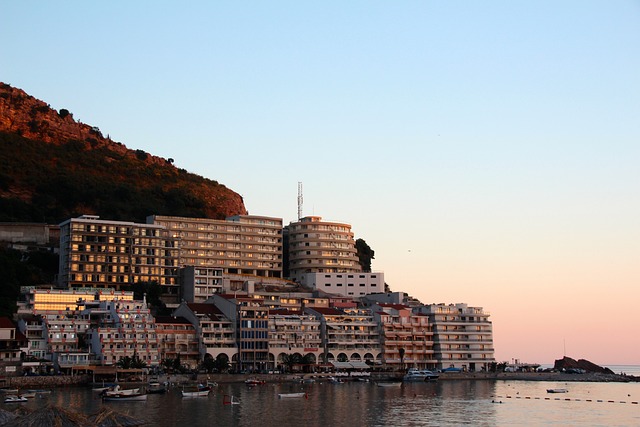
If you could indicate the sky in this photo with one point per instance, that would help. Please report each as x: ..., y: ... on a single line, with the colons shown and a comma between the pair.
x: 488, y: 152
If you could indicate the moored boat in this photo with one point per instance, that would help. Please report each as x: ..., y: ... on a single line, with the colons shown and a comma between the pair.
x: 557, y: 390
x: 105, y: 386
x: 125, y: 397
x: 12, y: 398
x: 419, y: 375
x: 28, y: 394
x: 389, y: 384
x: 254, y: 381
x: 156, y: 388
x: 117, y: 391
x: 292, y: 395
x: 195, y: 393
x: 199, y: 390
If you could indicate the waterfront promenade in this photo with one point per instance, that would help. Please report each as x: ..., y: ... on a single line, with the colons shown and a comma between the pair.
x: 63, y: 380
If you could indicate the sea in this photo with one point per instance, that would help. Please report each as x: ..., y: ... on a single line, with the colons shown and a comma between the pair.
x: 353, y: 404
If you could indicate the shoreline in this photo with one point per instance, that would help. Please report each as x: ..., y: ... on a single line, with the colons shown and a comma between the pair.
x: 85, y: 380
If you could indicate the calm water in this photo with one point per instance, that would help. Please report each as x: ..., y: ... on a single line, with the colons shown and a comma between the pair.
x: 442, y: 403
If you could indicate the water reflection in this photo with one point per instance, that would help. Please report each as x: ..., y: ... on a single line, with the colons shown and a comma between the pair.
x: 442, y: 403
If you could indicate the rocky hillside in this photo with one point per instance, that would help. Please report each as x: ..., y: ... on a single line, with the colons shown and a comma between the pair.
x: 567, y: 363
x: 53, y: 168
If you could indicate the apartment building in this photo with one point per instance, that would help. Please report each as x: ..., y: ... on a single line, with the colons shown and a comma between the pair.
x: 317, y: 246
x: 462, y: 335
x: 103, y: 253
x: 199, y: 283
x: 406, y: 337
x: 12, y: 341
x: 123, y: 328
x: 178, y: 340
x: 293, y: 332
x: 348, y: 335
x: 216, y: 333
x: 55, y: 322
x: 251, y: 320
x: 241, y: 244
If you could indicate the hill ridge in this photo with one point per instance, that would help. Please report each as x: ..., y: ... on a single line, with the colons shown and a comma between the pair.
x: 43, y: 148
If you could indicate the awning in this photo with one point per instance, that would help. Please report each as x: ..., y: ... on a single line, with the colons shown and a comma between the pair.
x: 350, y: 365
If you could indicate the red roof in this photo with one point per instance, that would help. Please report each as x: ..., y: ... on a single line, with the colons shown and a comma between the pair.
x: 6, y: 323
x: 327, y: 311
x: 172, y: 320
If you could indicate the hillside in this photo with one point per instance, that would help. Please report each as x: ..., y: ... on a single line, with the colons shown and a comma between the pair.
x: 53, y: 168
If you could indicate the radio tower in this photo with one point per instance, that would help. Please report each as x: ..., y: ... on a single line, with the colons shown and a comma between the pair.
x: 299, y: 200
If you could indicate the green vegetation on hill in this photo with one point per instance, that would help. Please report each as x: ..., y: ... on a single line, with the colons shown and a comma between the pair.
x: 23, y: 269
x: 49, y: 183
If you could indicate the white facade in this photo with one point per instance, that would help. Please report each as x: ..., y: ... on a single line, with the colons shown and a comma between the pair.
x: 199, y: 283
x: 125, y: 328
x: 293, y: 332
x: 346, y: 284
x: 462, y: 335
x: 348, y: 335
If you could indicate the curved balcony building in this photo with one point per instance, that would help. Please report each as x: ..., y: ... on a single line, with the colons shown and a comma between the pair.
x: 317, y: 246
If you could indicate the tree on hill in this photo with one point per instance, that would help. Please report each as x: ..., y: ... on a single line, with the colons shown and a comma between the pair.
x: 365, y: 255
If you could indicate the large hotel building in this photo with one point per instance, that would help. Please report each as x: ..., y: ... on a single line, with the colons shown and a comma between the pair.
x: 102, y: 253
x: 317, y: 246
x: 241, y: 244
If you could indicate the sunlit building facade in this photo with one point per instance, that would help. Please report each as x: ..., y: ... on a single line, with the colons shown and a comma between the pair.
x: 348, y: 335
x: 406, y: 337
x: 317, y: 246
x: 103, y: 253
x: 241, y: 244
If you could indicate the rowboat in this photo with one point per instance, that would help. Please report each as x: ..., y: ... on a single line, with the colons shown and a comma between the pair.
x: 292, y: 395
x: 125, y: 397
x: 195, y: 393
x: 117, y: 391
x: 557, y: 390
x: 389, y: 384
x: 199, y: 390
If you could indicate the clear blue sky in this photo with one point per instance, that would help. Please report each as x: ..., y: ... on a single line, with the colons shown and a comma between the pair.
x: 489, y: 152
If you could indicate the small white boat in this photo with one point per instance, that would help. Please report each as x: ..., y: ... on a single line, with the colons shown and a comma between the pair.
x: 125, y: 397
x: 28, y: 394
x: 292, y: 395
x: 200, y: 390
x: 195, y: 393
x: 105, y: 386
x: 117, y: 391
x: 12, y: 398
x: 389, y: 384
x: 557, y: 390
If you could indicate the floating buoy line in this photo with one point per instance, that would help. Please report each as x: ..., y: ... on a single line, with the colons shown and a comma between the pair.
x: 564, y: 399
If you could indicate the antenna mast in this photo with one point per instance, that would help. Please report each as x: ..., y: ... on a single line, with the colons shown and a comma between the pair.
x: 299, y: 200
